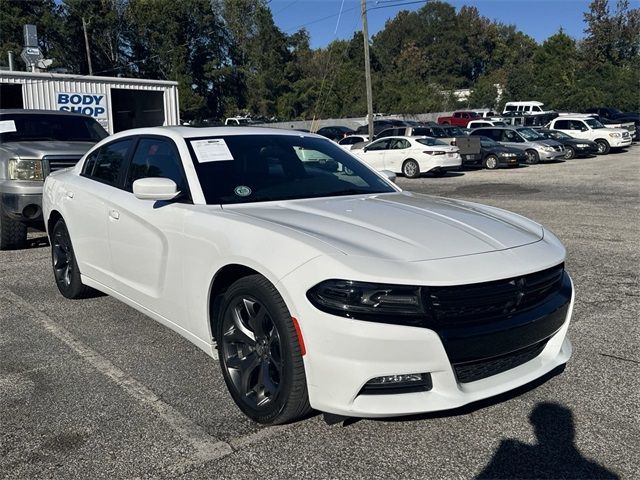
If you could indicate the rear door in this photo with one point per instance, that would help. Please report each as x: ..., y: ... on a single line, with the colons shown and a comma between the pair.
x: 87, y: 206
x: 397, y: 152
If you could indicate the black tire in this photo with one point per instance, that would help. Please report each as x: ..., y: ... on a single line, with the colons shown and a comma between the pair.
x: 603, y: 147
x: 259, y: 353
x: 491, y: 162
x: 571, y: 153
x: 65, y: 266
x: 410, y: 168
x: 13, y: 234
x: 532, y: 157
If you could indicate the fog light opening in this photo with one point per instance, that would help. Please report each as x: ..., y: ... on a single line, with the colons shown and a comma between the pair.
x: 403, y: 383
x: 31, y: 211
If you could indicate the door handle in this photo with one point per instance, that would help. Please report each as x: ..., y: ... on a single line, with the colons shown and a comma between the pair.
x: 70, y: 194
x: 114, y: 214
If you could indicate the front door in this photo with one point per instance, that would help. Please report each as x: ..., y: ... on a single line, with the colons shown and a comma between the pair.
x: 145, y: 235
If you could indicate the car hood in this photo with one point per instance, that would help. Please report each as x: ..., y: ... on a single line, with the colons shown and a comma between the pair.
x: 401, y: 226
x: 42, y: 148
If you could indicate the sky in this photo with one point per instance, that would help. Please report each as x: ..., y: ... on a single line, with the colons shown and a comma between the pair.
x: 537, y: 18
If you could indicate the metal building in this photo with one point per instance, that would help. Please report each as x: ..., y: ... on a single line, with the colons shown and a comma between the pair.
x: 116, y: 103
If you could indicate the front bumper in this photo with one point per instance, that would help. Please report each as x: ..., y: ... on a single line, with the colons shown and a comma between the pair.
x: 620, y: 142
x: 344, y: 354
x: 21, y: 200
x: 548, y: 156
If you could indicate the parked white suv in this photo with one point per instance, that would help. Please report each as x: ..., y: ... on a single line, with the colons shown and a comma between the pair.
x: 592, y: 129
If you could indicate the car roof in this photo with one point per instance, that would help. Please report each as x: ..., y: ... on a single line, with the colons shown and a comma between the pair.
x: 13, y: 111
x: 200, y: 132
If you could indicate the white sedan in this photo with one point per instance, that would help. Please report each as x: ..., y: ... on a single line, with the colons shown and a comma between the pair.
x: 314, y: 279
x: 411, y: 156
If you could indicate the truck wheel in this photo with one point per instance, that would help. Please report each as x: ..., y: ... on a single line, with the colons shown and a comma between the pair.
x: 13, y: 234
x: 603, y: 147
x: 532, y: 157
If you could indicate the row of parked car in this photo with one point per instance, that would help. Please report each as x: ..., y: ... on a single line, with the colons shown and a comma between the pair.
x: 402, y: 147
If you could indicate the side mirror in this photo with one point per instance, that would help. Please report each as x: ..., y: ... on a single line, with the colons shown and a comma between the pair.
x: 155, y: 188
x: 390, y: 175
x: 365, y: 149
x: 584, y: 129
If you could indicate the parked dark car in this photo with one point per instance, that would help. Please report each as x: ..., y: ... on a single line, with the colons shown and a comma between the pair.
x: 380, y: 125
x: 575, y: 147
x: 479, y: 151
x: 336, y: 132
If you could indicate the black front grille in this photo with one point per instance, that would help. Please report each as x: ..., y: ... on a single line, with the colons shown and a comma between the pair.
x: 472, y: 371
x: 58, y: 162
x: 492, y: 300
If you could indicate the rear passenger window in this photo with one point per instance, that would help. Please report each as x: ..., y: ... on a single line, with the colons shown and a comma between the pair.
x: 106, y: 163
x: 156, y: 158
x: 562, y: 124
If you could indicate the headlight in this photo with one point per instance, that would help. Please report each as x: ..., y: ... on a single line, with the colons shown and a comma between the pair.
x: 547, y: 148
x: 582, y: 145
x: 401, y: 304
x: 25, y: 169
x: 615, y: 135
x: 508, y: 155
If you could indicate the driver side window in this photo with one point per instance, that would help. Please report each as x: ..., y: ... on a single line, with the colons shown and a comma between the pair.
x: 156, y: 158
x: 381, y: 145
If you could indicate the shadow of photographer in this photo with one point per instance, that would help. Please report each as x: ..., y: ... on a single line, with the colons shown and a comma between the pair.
x: 553, y: 456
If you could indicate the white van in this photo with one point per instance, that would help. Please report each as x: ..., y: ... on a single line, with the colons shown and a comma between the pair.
x: 526, y: 108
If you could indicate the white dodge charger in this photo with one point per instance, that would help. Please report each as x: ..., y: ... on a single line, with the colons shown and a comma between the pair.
x: 315, y: 280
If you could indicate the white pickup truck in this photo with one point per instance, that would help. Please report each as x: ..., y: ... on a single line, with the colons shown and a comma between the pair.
x: 592, y: 129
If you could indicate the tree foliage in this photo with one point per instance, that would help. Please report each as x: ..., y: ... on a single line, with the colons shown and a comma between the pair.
x: 229, y: 57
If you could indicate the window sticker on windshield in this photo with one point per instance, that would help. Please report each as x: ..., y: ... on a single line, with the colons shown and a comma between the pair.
x: 212, y: 150
x: 7, y: 126
x: 242, y: 191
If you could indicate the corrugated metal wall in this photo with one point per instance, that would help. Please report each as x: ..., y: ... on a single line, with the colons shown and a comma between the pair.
x: 39, y: 90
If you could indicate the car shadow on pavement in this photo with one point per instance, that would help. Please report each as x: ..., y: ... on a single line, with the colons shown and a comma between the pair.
x: 554, y: 455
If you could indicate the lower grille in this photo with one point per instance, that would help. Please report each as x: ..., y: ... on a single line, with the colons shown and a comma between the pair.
x: 473, y: 371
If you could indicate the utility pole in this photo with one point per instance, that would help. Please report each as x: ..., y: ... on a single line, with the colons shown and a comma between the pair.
x: 367, y: 66
x: 86, y: 44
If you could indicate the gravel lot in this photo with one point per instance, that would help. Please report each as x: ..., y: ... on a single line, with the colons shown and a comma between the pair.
x: 93, y: 389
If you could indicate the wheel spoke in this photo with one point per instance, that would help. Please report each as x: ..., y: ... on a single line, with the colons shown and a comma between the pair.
x: 239, y: 333
x: 244, y: 368
x: 256, y: 322
x: 266, y: 382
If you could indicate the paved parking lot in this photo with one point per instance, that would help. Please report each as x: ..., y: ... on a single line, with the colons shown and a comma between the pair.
x: 93, y: 389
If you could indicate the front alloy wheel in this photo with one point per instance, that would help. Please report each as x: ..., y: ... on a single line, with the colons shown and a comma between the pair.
x: 491, y: 162
x: 259, y: 353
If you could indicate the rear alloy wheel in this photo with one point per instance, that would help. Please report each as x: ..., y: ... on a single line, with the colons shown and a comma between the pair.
x: 603, y: 147
x: 491, y: 162
x: 570, y: 152
x: 65, y: 266
x: 259, y: 353
x: 13, y: 234
x: 532, y: 157
x: 411, y: 169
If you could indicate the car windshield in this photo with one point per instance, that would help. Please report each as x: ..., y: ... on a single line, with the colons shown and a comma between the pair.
x: 33, y: 127
x: 593, y: 123
x: 430, y: 141
x: 558, y: 134
x: 530, y: 134
x: 258, y: 168
x: 453, y: 131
